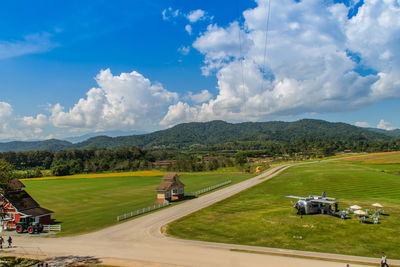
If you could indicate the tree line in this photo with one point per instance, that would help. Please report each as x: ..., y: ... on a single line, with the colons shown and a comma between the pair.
x: 226, y: 154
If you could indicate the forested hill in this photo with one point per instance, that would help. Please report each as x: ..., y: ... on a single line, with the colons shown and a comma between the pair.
x: 395, y: 132
x: 206, y: 134
x: 51, y: 144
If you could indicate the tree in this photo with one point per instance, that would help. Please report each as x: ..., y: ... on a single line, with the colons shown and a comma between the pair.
x: 6, y: 172
x: 240, y: 158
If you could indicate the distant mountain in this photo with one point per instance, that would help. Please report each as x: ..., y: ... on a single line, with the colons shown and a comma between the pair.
x: 186, y: 135
x: 51, y: 144
x: 203, y: 134
x: 395, y: 132
x: 78, y: 139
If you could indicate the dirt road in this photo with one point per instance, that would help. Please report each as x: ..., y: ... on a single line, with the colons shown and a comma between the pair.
x: 139, y: 242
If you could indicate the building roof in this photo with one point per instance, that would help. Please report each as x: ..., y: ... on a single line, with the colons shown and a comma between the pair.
x: 168, y: 180
x: 14, y: 185
x: 21, y: 200
x: 170, y: 175
x: 164, y: 185
x: 37, y: 212
x: 25, y: 204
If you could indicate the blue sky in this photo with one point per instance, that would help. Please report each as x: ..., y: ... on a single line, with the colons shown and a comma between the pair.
x: 69, y: 68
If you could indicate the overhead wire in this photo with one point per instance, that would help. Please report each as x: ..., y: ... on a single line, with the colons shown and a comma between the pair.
x: 241, y: 62
x: 268, y: 9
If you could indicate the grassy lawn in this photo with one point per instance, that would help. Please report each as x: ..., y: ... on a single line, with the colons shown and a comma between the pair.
x: 262, y: 216
x: 83, y: 205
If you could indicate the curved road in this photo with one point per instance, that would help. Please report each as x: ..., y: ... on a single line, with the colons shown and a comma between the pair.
x: 139, y: 242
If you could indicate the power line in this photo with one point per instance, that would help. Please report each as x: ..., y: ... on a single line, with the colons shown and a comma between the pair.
x: 266, y: 42
x: 241, y: 60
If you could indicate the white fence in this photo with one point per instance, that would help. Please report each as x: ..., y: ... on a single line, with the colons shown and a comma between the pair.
x: 141, y: 211
x: 52, y: 228
x: 210, y: 188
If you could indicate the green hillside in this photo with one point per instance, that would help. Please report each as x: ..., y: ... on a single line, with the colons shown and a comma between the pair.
x: 205, y: 134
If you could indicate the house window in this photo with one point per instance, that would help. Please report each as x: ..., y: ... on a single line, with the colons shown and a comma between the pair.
x: 174, y: 191
x: 167, y: 194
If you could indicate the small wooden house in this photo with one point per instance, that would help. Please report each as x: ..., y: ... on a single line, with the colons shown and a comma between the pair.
x: 171, y: 188
x: 17, y: 203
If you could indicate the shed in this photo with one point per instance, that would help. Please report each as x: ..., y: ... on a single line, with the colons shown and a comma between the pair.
x: 171, y: 188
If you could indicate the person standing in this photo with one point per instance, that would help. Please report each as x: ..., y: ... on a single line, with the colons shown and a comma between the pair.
x: 384, y: 260
x: 9, y: 240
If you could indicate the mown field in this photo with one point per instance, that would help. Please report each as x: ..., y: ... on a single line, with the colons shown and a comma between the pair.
x: 262, y: 216
x: 91, y: 202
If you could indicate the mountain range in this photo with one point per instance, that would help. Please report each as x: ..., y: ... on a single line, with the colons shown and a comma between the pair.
x: 198, y: 134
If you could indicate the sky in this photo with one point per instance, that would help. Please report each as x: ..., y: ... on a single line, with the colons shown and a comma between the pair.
x: 74, y: 67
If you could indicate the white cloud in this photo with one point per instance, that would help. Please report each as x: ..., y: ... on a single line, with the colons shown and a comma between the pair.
x: 179, y: 112
x: 13, y: 127
x: 170, y: 13
x: 362, y: 124
x: 184, y: 50
x: 5, y: 115
x: 188, y: 29
x: 196, y: 15
x: 120, y: 102
x: 385, y: 125
x: 201, y: 97
x: 307, y: 69
x: 31, y: 44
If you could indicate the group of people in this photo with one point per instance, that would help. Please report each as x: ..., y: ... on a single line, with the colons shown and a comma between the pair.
x: 9, y: 240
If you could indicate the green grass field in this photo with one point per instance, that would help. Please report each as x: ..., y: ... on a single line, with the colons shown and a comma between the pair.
x: 85, y: 205
x: 262, y: 216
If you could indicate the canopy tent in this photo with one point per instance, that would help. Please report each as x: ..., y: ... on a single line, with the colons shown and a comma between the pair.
x: 377, y: 205
x: 360, y: 212
x: 355, y: 207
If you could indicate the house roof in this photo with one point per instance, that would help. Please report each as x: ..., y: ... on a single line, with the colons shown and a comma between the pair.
x: 170, y: 175
x: 164, y: 185
x: 37, y: 212
x: 25, y: 204
x: 168, y: 180
x: 21, y: 200
x: 14, y: 185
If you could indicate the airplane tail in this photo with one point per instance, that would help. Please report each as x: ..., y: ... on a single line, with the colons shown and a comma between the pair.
x: 323, y: 194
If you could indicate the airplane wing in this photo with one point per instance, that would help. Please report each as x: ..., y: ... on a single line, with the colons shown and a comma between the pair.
x: 323, y: 201
x: 295, y: 197
x: 330, y: 198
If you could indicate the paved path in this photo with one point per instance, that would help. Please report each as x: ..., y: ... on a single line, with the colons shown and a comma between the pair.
x: 139, y: 242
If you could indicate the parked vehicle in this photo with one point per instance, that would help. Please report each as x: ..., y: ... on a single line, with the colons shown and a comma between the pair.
x: 28, y: 225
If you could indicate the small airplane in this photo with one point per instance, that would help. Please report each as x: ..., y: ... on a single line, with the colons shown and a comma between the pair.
x: 315, y: 205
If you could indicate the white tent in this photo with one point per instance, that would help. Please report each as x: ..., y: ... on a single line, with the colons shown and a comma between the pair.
x: 355, y: 207
x: 360, y: 212
x: 377, y: 205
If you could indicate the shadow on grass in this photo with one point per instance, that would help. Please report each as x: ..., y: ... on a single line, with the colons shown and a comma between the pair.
x: 54, y: 221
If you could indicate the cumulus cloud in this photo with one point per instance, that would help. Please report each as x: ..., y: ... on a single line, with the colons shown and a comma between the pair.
x: 188, y: 29
x: 14, y: 127
x: 196, y: 15
x: 201, y: 97
x: 310, y: 63
x: 5, y: 114
x: 362, y: 124
x: 30, y: 44
x: 385, y: 125
x: 120, y: 102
